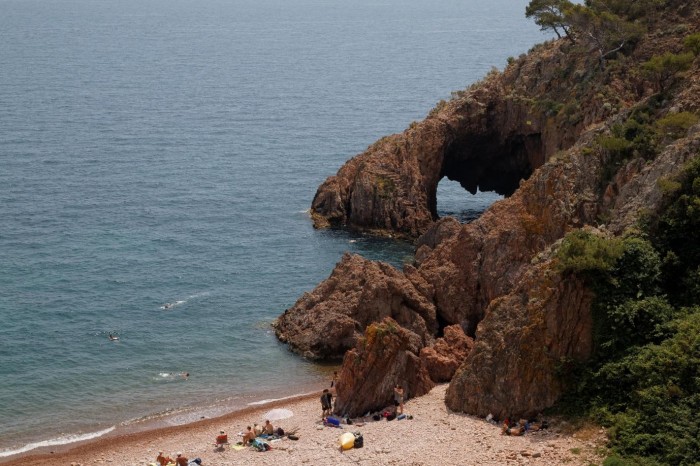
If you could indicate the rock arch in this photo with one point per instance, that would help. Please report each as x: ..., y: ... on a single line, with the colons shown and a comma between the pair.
x: 489, y: 144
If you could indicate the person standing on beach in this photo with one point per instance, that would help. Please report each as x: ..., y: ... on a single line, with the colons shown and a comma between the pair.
x: 398, y: 397
x: 334, y: 382
x: 326, y: 403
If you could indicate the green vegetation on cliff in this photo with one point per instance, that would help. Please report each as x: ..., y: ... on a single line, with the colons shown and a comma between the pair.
x: 644, y: 379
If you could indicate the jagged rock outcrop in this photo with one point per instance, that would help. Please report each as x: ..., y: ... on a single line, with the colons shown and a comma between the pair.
x: 524, y: 339
x: 387, y: 356
x: 525, y: 133
x: 447, y: 353
x: 327, y: 322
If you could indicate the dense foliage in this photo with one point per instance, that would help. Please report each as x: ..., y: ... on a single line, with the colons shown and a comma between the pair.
x: 644, y: 379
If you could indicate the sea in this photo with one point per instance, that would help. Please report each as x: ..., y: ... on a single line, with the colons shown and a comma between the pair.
x: 157, y: 162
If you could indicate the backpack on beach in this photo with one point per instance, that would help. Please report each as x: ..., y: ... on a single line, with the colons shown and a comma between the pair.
x: 359, y: 440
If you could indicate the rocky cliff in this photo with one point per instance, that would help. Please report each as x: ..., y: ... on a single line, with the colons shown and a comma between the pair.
x: 539, y: 133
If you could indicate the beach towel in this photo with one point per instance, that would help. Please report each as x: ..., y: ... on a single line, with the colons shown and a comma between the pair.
x: 260, y: 445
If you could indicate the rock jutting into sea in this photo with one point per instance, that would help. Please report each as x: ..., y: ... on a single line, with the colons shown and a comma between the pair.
x: 532, y: 133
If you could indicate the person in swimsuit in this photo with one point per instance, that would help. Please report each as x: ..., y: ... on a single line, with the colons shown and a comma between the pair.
x: 398, y: 397
x: 268, y: 428
x: 248, y: 436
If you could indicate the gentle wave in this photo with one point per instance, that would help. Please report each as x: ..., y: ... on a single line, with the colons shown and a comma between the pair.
x: 272, y: 400
x: 56, y: 441
x: 183, y: 301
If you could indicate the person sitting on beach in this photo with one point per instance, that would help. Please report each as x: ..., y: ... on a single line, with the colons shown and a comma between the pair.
x: 268, y: 429
x: 162, y: 460
x: 181, y: 460
x: 248, y: 436
x: 221, y: 439
x: 326, y: 403
x: 257, y: 430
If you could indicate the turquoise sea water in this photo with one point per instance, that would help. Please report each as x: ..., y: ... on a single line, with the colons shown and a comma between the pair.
x: 157, y: 152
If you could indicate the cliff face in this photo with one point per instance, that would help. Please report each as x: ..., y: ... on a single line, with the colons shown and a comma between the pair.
x: 495, y: 277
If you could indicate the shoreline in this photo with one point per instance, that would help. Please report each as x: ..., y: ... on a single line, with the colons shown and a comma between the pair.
x: 182, y: 417
x: 128, y: 434
x: 435, y: 435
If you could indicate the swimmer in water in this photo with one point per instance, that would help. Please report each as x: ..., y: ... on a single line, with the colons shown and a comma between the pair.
x: 185, y: 375
x: 167, y: 306
x: 113, y: 337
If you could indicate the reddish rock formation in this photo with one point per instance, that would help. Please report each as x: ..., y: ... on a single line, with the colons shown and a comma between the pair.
x: 447, y: 353
x: 387, y: 356
x: 492, y: 277
x: 327, y: 322
x: 524, y: 339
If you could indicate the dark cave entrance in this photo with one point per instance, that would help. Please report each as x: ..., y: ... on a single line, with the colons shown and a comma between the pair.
x: 487, y: 166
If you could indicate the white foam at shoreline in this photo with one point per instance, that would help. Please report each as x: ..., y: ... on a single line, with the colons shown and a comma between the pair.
x: 57, y: 441
x: 271, y: 400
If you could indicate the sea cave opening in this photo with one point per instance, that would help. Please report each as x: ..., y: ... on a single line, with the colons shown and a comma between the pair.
x: 454, y: 201
x: 487, y: 165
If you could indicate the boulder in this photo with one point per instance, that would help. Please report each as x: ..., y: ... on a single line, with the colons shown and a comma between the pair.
x: 515, y: 366
x: 323, y: 324
x: 387, y: 355
x: 447, y: 353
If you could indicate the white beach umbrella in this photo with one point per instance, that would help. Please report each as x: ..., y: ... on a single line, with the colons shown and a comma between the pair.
x: 278, y: 413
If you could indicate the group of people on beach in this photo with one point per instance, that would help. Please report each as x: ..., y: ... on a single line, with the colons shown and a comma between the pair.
x: 251, y: 434
x: 179, y: 460
x: 327, y: 397
x: 255, y: 431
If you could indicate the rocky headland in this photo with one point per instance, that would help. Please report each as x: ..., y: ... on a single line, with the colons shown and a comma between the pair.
x: 484, y: 304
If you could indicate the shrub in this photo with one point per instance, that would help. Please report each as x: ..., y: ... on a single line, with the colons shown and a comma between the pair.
x: 586, y: 253
x: 676, y: 124
x: 644, y: 379
x: 692, y: 43
x: 663, y: 69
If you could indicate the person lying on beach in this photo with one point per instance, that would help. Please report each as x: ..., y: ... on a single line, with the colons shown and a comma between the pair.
x: 162, y: 460
x: 248, y: 436
x: 268, y: 428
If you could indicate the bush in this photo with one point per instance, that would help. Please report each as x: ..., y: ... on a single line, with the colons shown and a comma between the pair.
x: 676, y: 125
x: 643, y: 381
x: 586, y: 253
x: 663, y: 69
x: 692, y: 43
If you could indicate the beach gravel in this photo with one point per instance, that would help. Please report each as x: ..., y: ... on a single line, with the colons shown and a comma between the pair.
x: 435, y: 436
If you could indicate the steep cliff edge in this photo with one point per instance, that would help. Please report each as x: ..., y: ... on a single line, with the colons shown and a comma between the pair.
x: 557, y: 134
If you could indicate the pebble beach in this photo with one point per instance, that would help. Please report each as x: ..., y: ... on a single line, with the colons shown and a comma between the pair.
x: 435, y: 436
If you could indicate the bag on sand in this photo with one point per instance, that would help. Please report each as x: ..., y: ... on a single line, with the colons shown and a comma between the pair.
x: 359, y: 441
